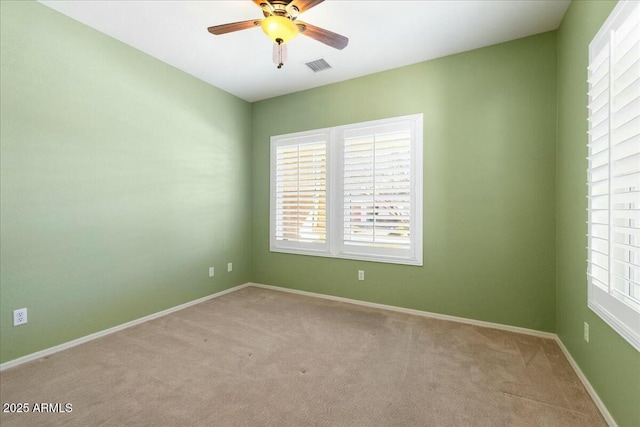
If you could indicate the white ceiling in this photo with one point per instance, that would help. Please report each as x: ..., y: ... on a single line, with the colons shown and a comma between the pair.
x: 382, y: 35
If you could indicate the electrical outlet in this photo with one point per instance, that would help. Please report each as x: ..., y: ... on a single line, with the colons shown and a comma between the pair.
x: 586, y: 331
x: 360, y: 274
x: 230, y: 267
x: 19, y: 317
x: 211, y: 272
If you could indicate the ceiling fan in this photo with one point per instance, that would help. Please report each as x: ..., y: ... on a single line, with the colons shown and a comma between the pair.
x: 281, y: 24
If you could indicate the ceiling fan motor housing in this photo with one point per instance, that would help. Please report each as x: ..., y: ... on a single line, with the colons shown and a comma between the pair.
x: 280, y: 8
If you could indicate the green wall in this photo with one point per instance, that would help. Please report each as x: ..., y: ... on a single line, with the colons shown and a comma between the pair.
x: 123, y: 180
x: 489, y: 184
x: 609, y: 362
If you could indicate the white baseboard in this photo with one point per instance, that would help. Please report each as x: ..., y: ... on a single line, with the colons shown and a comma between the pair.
x: 51, y: 350
x: 421, y: 313
x: 587, y: 385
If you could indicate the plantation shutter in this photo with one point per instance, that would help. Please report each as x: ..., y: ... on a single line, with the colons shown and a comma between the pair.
x: 377, y: 188
x: 614, y: 174
x: 625, y: 154
x: 598, y: 173
x: 301, y: 191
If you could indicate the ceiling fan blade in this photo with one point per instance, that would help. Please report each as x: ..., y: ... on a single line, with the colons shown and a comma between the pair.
x: 303, y: 5
x: 325, y: 36
x: 234, y: 26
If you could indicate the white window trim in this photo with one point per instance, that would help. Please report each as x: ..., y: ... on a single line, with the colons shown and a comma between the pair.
x: 612, y: 308
x: 334, y: 247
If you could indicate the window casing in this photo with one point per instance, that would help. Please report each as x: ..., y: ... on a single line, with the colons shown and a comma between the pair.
x: 613, y: 175
x: 352, y: 191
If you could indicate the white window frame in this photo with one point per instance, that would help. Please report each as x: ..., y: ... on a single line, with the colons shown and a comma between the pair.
x: 334, y: 246
x: 607, y: 183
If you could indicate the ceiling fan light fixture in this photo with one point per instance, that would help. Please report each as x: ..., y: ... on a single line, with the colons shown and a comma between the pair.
x: 279, y: 29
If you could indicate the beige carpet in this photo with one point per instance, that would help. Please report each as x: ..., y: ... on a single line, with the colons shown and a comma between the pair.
x: 259, y: 357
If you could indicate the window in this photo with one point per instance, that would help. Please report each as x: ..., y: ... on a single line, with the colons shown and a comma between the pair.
x: 299, y: 204
x: 352, y: 191
x: 614, y: 172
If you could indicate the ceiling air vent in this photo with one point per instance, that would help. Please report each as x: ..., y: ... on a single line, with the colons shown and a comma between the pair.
x: 318, y: 65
